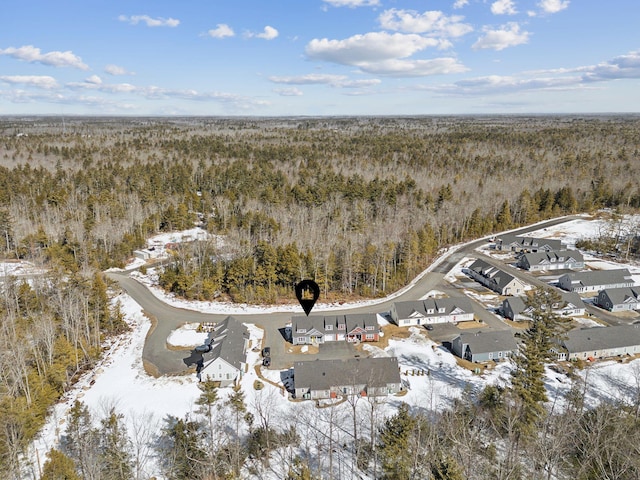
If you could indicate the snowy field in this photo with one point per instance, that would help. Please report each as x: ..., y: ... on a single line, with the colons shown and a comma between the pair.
x: 431, y: 371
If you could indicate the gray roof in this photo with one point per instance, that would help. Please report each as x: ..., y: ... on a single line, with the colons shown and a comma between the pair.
x: 489, y: 341
x: 320, y: 323
x: 593, y: 278
x: 324, y: 374
x: 530, y: 242
x: 498, y: 277
x: 621, y: 295
x: 450, y: 304
x: 518, y: 304
x: 601, y: 338
x: 227, y: 341
x: 554, y: 257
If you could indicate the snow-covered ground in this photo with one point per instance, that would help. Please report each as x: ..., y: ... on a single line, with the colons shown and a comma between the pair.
x: 19, y: 268
x: 434, y: 377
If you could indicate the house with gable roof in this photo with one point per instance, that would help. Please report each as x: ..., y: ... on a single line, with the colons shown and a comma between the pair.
x: 432, y: 310
x: 515, y: 243
x: 496, y: 279
x: 554, y: 260
x: 619, y: 299
x: 570, y: 305
x: 484, y: 346
x: 225, y: 359
x: 599, y: 342
x: 319, y: 379
x: 316, y: 329
x: 595, y: 280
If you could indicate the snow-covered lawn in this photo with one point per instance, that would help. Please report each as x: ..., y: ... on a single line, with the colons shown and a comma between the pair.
x: 187, y: 336
x: 432, y: 373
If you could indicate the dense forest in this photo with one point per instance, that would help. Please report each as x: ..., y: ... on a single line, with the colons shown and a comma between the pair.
x: 359, y: 204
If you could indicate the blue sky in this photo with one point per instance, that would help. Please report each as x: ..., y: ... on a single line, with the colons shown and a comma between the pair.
x: 319, y: 57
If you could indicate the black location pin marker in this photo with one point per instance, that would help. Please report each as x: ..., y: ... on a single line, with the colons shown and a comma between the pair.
x: 307, y: 292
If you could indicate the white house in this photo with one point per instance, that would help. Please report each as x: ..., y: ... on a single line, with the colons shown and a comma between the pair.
x: 226, y: 357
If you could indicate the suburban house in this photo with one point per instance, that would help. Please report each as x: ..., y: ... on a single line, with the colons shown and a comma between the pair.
x: 595, y: 280
x: 527, y: 244
x: 619, y: 299
x: 311, y: 330
x: 317, y: 379
x: 515, y: 308
x: 484, y: 346
x: 599, y: 342
x: 554, y: 260
x: 226, y: 356
x: 495, y: 279
x: 432, y: 310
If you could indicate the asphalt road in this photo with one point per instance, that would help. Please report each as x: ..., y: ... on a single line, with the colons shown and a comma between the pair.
x: 168, y: 318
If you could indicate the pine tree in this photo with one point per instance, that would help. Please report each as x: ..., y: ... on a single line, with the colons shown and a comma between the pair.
x: 394, y: 437
x: 527, y: 379
x: 115, y: 453
x: 58, y: 467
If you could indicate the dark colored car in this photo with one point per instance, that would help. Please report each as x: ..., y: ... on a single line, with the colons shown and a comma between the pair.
x: 203, y: 348
x: 266, y: 361
x: 429, y: 327
x: 266, y: 352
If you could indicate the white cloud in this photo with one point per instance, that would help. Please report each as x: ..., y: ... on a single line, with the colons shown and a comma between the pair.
x: 31, y: 54
x: 116, y: 70
x: 289, y: 92
x: 553, y: 6
x: 39, y: 81
x: 149, y: 21
x: 506, y: 36
x: 338, y: 81
x: 503, y: 7
x: 269, y: 33
x: 94, y: 79
x: 222, y: 30
x: 621, y: 67
x: 460, y: 3
x: 368, y: 48
x: 353, y: 3
x: 310, y: 79
x: 432, y: 22
x: 153, y: 92
x: 415, y: 68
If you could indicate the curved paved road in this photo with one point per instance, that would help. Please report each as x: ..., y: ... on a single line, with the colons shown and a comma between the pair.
x: 169, y: 318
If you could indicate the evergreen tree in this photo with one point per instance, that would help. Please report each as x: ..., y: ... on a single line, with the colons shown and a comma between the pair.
x: 58, y: 467
x: 527, y: 379
x: 115, y: 453
x: 182, y: 453
x: 394, y: 445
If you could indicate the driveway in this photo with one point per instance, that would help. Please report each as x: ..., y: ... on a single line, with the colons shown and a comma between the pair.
x: 167, y: 318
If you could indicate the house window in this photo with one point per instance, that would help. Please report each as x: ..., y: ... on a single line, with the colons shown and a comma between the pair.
x: 328, y: 327
x: 302, y: 330
x: 499, y: 354
x: 369, y: 336
x: 342, y: 326
x: 430, y: 311
x: 369, y: 327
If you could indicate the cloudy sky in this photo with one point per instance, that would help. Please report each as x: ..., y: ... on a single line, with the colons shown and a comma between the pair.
x: 318, y: 57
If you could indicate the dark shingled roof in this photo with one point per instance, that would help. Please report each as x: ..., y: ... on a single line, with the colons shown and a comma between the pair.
x: 227, y: 342
x: 498, y: 277
x: 450, y: 304
x: 489, y: 341
x: 324, y: 374
x: 599, y: 277
x: 601, y: 338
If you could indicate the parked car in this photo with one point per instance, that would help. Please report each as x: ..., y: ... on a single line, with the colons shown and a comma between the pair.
x: 266, y: 361
x: 429, y: 327
x: 266, y: 352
